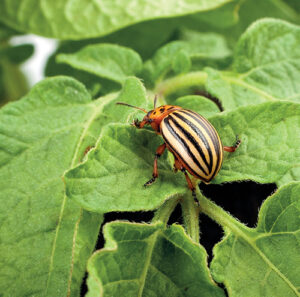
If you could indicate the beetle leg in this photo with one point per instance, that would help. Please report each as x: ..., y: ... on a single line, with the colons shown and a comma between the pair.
x: 177, y: 165
x: 190, y: 185
x: 160, y: 150
x: 138, y: 124
x: 231, y: 149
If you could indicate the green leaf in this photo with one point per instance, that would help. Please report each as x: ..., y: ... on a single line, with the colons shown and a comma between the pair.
x: 108, y: 61
x: 200, y: 104
x: 86, y: 19
x: 145, y: 41
x: 41, y: 137
x: 266, y: 66
x: 149, y: 260
x: 202, y: 49
x: 143, y: 37
x: 113, y: 176
x: 222, y: 18
x: 95, y: 85
x: 45, y: 239
x: 133, y: 92
x: 181, y: 62
x: 211, y: 46
x: 269, y: 150
x: 264, y: 261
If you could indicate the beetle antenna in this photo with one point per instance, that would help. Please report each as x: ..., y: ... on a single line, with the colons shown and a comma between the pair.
x: 142, y: 109
x: 155, y: 101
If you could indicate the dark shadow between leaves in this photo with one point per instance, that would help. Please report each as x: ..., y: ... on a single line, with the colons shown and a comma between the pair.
x: 241, y: 199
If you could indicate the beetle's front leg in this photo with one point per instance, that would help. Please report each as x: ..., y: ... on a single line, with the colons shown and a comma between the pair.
x: 138, y: 124
x: 160, y: 150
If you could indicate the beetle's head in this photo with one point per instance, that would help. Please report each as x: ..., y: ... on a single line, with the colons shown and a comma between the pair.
x: 154, y: 116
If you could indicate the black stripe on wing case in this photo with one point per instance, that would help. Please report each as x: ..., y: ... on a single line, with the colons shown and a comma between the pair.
x: 184, y: 145
x: 211, y: 132
x: 193, y: 140
x: 206, y: 126
x: 175, y: 151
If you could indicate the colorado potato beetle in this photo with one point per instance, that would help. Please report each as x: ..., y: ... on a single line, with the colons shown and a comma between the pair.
x: 194, y: 142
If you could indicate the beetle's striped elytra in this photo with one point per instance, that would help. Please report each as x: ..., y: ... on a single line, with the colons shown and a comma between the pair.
x: 194, y: 142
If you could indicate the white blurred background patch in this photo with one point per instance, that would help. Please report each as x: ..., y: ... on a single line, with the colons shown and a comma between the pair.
x: 43, y: 48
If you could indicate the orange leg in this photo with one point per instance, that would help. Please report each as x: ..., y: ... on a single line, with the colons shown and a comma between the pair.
x: 136, y: 123
x: 178, y: 166
x: 160, y: 150
x: 231, y: 149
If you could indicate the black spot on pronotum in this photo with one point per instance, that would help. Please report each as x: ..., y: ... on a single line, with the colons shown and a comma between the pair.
x: 162, y: 109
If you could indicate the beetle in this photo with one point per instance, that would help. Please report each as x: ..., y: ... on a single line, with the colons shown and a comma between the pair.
x: 194, y: 142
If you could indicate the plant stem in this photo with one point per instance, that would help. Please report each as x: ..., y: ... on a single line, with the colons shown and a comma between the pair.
x: 196, y: 78
x: 190, y: 213
x: 164, y: 212
x: 219, y: 215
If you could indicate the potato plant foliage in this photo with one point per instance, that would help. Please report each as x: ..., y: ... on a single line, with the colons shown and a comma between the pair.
x: 69, y: 156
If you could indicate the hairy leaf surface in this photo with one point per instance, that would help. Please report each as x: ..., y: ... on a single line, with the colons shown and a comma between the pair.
x: 266, y: 66
x: 269, y: 150
x: 264, y: 261
x: 45, y: 239
x: 113, y: 176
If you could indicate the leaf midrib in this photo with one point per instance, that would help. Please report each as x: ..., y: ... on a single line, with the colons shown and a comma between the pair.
x: 152, y: 239
x: 283, y: 212
x: 235, y: 228
x: 249, y: 72
x: 256, y: 90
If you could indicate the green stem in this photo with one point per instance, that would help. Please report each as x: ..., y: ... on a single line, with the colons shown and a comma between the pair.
x: 164, y: 212
x: 197, y: 78
x: 190, y: 213
x: 219, y: 215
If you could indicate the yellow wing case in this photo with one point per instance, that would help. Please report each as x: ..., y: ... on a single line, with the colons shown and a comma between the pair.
x: 195, y: 142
